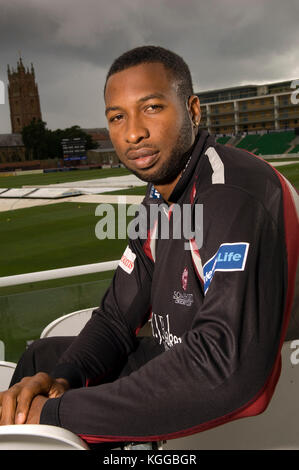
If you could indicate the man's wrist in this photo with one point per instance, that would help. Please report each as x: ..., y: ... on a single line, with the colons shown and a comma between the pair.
x: 64, y: 382
x: 71, y: 373
x: 50, y: 412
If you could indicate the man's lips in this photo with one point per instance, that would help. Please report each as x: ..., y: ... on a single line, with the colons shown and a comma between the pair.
x: 143, y: 157
x: 140, y: 153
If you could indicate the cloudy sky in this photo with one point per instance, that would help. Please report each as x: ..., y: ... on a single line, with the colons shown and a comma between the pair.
x: 72, y: 44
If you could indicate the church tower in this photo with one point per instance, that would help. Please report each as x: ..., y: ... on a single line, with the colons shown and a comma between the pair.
x: 23, y: 97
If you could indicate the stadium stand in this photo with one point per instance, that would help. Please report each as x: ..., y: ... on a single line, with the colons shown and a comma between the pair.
x: 223, y: 140
x: 249, y: 142
x: 272, y: 143
x: 275, y: 143
x: 295, y: 149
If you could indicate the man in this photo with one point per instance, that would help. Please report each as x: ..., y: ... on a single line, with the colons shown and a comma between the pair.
x: 219, y: 312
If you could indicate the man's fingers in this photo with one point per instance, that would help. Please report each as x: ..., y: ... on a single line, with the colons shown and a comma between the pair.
x: 23, y: 404
x: 9, y: 400
x: 33, y: 386
x: 24, y: 401
x: 1, y: 397
x: 16, y: 401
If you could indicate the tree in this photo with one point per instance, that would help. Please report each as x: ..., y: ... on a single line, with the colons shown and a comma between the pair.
x: 42, y: 143
x: 34, y: 139
x: 72, y: 133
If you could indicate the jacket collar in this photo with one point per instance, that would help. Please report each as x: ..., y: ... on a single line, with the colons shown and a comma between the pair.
x: 189, y: 170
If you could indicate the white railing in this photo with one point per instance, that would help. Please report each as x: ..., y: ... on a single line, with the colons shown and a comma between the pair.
x: 58, y: 273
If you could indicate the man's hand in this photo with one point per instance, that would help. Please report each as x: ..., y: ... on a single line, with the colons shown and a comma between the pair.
x: 36, y: 409
x: 16, y: 401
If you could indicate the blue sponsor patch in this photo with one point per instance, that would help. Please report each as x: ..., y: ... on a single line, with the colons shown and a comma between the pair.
x: 154, y: 194
x: 229, y: 257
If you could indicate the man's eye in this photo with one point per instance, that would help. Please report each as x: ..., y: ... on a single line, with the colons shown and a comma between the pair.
x: 154, y: 107
x: 115, y: 118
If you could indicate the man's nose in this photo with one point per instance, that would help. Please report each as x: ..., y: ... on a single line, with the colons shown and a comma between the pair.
x: 136, y: 131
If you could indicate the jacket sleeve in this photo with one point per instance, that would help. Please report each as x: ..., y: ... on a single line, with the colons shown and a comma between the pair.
x: 110, y: 334
x: 228, y: 362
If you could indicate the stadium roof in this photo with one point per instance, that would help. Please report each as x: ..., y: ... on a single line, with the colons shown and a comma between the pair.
x: 242, y: 87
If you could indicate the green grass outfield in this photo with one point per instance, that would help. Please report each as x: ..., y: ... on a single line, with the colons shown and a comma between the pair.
x: 59, y: 177
x: 291, y: 172
x: 48, y: 237
x: 288, y: 158
x: 56, y: 236
x: 136, y: 191
x: 81, y: 175
x: 61, y: 235
x: 53, y: 236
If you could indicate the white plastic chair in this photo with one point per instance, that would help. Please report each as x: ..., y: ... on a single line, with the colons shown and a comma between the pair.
x: 39, y: 437
x: 6, y: 372
x: 68, y: 325
x: 71, y: 325
x: 275, y: 429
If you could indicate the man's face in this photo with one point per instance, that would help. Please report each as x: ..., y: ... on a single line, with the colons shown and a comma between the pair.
x: 149, y: 125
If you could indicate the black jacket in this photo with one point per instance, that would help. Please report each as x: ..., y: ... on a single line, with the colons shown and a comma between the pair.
x: 220, y: 309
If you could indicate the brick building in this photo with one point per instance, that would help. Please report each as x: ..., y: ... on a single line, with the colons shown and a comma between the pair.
x: 23, y: 97
x: 11, y: 148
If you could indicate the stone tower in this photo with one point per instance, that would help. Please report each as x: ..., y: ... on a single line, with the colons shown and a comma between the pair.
x: 23, y: 97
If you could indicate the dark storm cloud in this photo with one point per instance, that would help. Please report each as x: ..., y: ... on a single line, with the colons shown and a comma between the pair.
x: 72, y: 44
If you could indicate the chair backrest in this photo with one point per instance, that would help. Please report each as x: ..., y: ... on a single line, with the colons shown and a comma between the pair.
x: 68, y: 325
x: 277, y: 428
x: 6, y: 372
x: 39, y: 437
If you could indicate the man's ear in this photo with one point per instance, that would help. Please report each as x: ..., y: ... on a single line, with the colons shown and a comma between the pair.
x: 194, y: 109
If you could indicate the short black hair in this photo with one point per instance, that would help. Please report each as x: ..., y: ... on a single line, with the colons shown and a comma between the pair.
x: 151, y: 54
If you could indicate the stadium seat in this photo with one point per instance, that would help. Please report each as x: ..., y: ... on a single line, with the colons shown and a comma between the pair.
x: 223, y: 140
x: 6, y: 373
x: 295, y: 149
x: 249, y: 142
x: 275, y: 143
x: 68, y: 325
x: 71, y: 325
x: 272, y: 143
x: 277, y: 428
x: 39, y: 437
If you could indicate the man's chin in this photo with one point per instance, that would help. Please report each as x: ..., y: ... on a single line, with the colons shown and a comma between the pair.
x: 162, y: 173
x: 147, y: 175
x: 154, y: 177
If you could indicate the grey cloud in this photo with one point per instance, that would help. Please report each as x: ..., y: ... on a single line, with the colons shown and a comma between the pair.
x: 225, y: 43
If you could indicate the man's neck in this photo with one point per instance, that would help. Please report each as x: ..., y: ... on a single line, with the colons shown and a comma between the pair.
x: 166, y: 189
